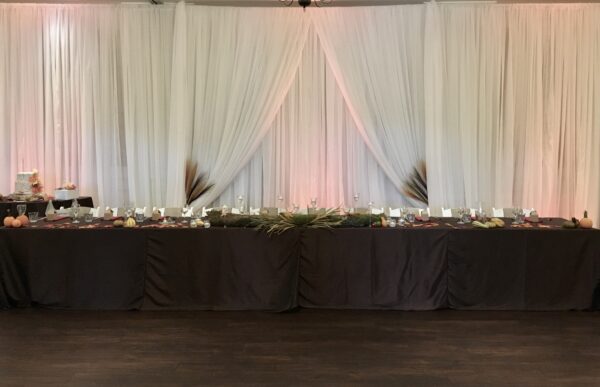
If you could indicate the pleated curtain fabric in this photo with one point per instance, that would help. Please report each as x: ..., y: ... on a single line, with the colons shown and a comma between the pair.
x: 500, y: 100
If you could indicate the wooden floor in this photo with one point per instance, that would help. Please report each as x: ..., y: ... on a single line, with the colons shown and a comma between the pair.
x: 305, y: 347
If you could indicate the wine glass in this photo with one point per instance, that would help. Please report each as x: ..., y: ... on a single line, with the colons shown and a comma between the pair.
x: 461, y: 213
x: 21, y: 209
x: 313, y: 203
x: 370, y: 204
x: 296, y: 208
x: 356, y: 196
x: 75, y: 211
x: 184, y: 210
x: 519, y: 215
x: 410, y: 217
x: 466, y: 217
x: 241, y: 203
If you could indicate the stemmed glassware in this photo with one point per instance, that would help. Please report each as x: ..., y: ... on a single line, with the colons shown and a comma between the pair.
x: 280, y: 201
x: 466, y: 215
x: 75, y: 211
x: 21, y: 209
x: 403, y: 213
x: 410, y: 216
x: 461, y: 213
x: 184, y: 210
x: 355, y: 197
x: 313, y: 203
x: 129, y: 210
x: 519, y: 215
x: 241, y: 203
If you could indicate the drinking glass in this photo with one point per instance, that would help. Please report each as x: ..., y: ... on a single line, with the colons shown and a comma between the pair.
x: 184, y: 211
x: 482, y: 216
x: 139, y: 217
x: 460, y: 212
x: 466, y: 216
x: 75, y: 212
x: 410, y: 217
x: 33, y: 217
x: 21, y: 209
x: 89, y: 217
x: 403, y: 213
x: 519, y: 215
x: 206, y: 223
x: 241, y: 203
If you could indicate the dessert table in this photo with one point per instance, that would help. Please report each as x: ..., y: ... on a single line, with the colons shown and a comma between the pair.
x: 39, y: 206
x: 424, y: 266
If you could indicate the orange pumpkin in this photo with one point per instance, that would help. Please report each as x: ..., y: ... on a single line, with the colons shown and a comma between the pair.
x: 23, y: 219
x: 16, y: 223
x: 585, y: 222
x: 8, y: 221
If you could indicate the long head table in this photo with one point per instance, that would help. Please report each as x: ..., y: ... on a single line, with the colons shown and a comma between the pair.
x: 438, y: 264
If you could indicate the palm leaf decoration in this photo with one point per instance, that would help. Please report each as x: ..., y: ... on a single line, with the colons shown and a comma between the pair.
x: 196, y: 184
x: 286, y: 221
x: 415, y: 187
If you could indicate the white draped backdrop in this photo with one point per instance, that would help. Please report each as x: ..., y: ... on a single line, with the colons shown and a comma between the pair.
x: 502, y: 101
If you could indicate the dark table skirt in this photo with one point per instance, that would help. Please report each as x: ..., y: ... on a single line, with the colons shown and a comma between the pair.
x: 405, y: 269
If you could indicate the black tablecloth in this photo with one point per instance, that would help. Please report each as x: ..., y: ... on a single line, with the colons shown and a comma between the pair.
x: 374, y: 268
x: 221, y: 268
x: 523, y: 269
x: 10, y: 207
x: 408, y: 269
x: 79, y: 269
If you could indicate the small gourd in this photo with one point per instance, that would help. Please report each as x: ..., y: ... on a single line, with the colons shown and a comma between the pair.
x: 16, y: 223
x: 498, y: 222
x: 130, y: 222
x: 8, y: 221
x: 23, y: 219
x: 573, y: 223
x: 155, y: 215
x: 118, y: 223
x: 384, y: 222
x: 585, y: 222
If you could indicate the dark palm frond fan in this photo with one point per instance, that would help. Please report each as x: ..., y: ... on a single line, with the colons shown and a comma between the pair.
x: 415, y: 187
x: 196, y: 183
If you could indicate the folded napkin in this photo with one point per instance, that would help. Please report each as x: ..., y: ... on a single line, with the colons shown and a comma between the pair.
x: 395, y: 213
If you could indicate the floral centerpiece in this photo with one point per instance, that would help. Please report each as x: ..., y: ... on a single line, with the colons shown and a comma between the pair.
x: 36, y: 183
x: 69, y: 185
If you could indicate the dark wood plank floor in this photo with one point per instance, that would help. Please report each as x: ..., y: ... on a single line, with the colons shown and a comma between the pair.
x: 306, y: 347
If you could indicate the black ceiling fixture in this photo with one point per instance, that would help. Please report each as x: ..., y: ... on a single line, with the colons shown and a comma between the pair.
x: 305, y: 3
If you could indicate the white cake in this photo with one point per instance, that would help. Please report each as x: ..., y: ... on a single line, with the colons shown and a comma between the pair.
x: 22, y: 184
x: 66, y: 194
